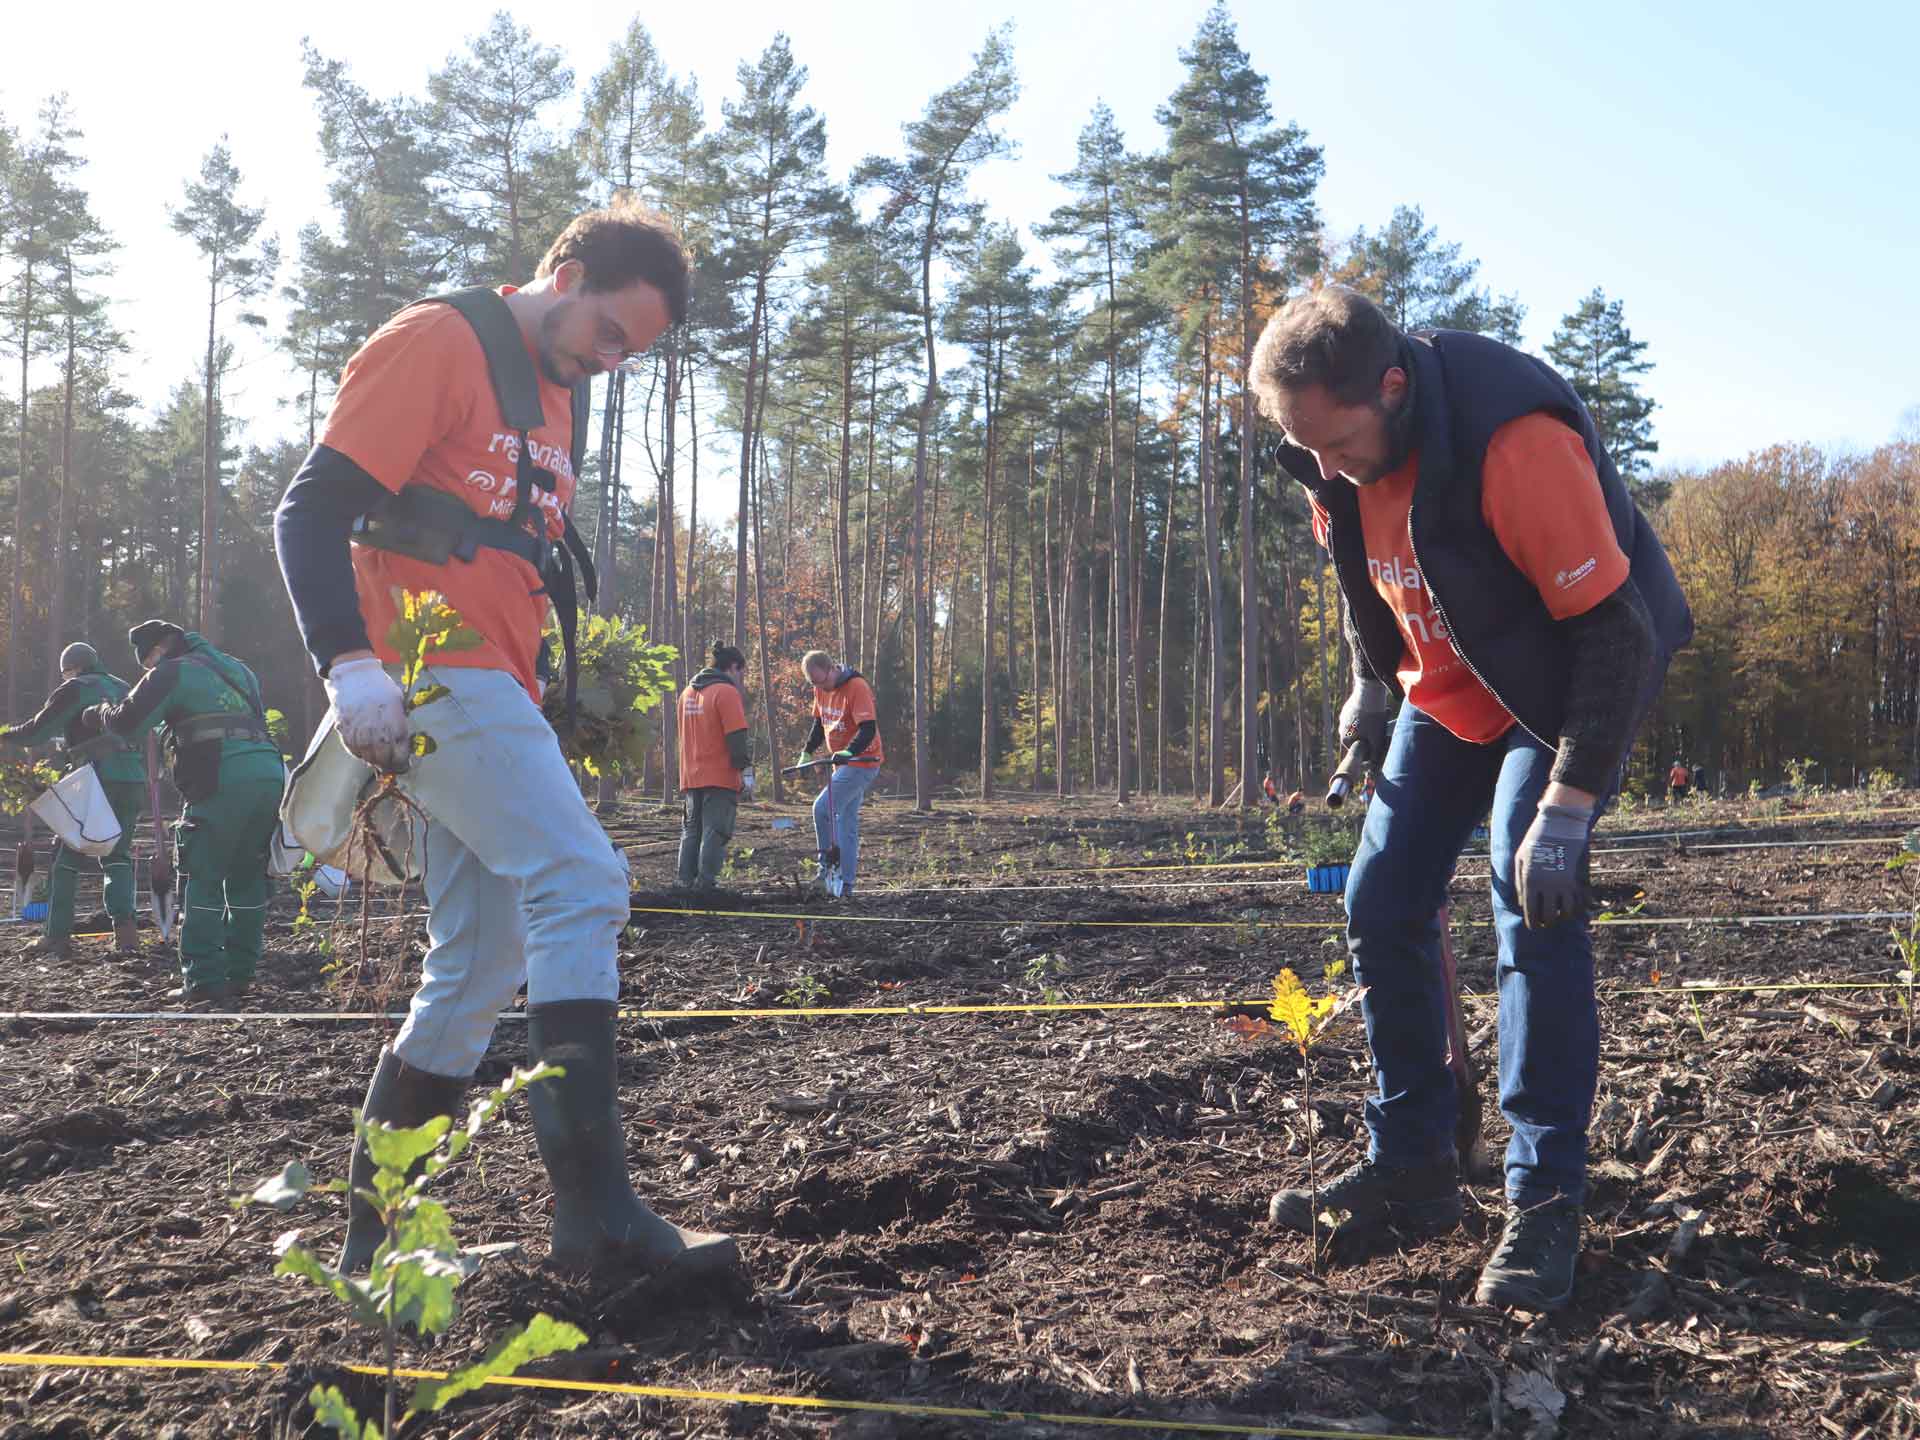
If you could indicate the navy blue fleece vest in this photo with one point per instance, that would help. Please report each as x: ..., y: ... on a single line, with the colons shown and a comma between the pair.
x: 1465, y: 387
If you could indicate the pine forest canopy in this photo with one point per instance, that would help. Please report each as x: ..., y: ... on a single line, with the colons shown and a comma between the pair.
x: 1006, y: 464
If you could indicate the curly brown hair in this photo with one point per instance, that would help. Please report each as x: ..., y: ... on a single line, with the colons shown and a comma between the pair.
x: 624, y: 243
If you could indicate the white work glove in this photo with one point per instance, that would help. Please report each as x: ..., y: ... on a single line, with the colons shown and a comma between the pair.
x: 746, y: 780
x: 370, y: 713
x: 1364, y: 717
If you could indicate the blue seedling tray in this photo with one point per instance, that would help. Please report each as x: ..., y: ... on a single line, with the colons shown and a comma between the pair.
x: 1327, y: 879
x: 34, y: 910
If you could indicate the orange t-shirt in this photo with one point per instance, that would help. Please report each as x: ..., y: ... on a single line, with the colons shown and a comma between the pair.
x: 1679, y: 776
x: 707, y: 716
x: 1542, y: 500
x: 416, y: 405
x: 842, y: 711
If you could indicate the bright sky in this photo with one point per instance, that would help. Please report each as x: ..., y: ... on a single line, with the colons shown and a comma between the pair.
x: 1740, y: 175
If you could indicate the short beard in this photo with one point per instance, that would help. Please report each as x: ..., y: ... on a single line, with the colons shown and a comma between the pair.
x: 549, y: 356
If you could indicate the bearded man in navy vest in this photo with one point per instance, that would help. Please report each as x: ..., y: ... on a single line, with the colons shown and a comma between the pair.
x: 1501, y: 588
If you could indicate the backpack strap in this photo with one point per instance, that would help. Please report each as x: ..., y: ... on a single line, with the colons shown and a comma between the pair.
x: 516, y: 387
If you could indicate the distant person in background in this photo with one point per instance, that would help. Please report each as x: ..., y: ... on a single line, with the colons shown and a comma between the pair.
x: 1700, y: 779
x: 1679, y: 781
x: 846, y: 722
x: 715, y: 765
x: 85, y: 683
x: 220, y: 757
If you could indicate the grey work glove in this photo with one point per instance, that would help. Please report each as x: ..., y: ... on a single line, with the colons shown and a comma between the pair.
x: 1365, y: 717
x: 1550, y: 870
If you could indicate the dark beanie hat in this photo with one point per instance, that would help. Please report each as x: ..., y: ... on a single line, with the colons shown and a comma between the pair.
x: 726, y: 656
x: 149, y: 633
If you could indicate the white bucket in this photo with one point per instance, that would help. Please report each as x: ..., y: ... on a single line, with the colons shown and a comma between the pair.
x: 76, y: 809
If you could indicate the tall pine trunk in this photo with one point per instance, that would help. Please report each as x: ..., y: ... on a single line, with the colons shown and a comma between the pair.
x: 987, y: 607
x: 1034, y: 588
x: 15, y: 663
x: 748, y: 421
x: 1210, y: 545
x: 1160, y: 643
x: 61, y: 545
x: 667, y: 621
x: 209, y: 471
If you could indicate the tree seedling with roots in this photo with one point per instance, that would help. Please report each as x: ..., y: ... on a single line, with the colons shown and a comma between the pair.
x: 416, y: 1269
x: 1306, y: 1020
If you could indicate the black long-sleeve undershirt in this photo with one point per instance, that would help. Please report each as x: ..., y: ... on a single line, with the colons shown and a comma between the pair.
x: 862, y: 737
x: 1610, y: 645
x: 312, y: 534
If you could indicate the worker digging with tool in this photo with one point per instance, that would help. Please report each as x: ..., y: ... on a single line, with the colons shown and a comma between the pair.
x: 847, y: 724
x: 448, y: 464
x: 213, y: 726
x: 66, y: 716
x: 716, y: 764
x: 1498, y: 582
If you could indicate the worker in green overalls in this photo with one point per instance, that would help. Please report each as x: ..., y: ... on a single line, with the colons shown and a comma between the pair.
x: 220, y: 757
x: 85, y: 683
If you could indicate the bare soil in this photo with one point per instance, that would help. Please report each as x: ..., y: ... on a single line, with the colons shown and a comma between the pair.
x: 1047, y: 1211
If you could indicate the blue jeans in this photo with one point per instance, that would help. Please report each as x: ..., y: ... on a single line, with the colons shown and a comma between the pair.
x: 836, y: 815
x: 1433, y: 790
x: 523, y: 885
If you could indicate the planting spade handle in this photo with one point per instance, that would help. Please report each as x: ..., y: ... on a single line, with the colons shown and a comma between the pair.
x: 1352, y: 769
x: 801, y: 769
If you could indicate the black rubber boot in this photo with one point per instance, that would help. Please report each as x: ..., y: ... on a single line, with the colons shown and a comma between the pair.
x: 402, y: 1097
x: 1373, y: 1193
x: 1532, y: 1266
x: 599, y: 1224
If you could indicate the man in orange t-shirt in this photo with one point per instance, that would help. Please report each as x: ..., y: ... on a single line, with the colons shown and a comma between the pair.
x: 847, y: 724
x: 715, y: 756
x: 1498, y: 580
x: 522, y: 883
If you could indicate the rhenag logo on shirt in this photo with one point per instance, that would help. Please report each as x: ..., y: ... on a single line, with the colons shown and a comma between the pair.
x: 1567, y: 579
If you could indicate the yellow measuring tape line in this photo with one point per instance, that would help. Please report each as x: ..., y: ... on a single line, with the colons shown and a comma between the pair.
x: 723, y: 1397
x: 823, y: 1012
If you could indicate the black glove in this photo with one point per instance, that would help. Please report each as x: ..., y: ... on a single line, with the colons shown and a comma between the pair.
x: 1550, y: 869
x: 1365, y: 716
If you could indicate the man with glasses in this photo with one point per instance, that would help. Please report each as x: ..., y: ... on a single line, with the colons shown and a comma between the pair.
x: 523, y: 883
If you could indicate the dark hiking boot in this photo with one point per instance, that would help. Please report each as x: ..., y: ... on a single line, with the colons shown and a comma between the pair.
x: 599, y: 1224
x: 1532, y: 1266
x: 48, y: 948
x: 126, y: 936
x: 403, y: 1097
x: 191, y: 994
x: 1374, y: 1194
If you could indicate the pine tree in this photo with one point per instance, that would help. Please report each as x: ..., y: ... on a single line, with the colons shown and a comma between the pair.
x: 390, y: 244
x: 954, y: 135
x: 769, y: 195
x: 1101, y: 231
x: 224, y: 230
x: 1423, y: 284
x: 1596, y: 352
x: 1236, y: 189
x: 992, y: 308
x: 87, y: 341
x: 508, y: 181
x: 38, y: 215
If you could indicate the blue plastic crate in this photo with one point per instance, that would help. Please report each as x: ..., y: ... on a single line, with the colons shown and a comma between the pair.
x: 34, y: 910
x: 1327, y: 879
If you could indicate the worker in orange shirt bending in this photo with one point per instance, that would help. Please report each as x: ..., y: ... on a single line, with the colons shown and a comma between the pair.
x: 846, y: 723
